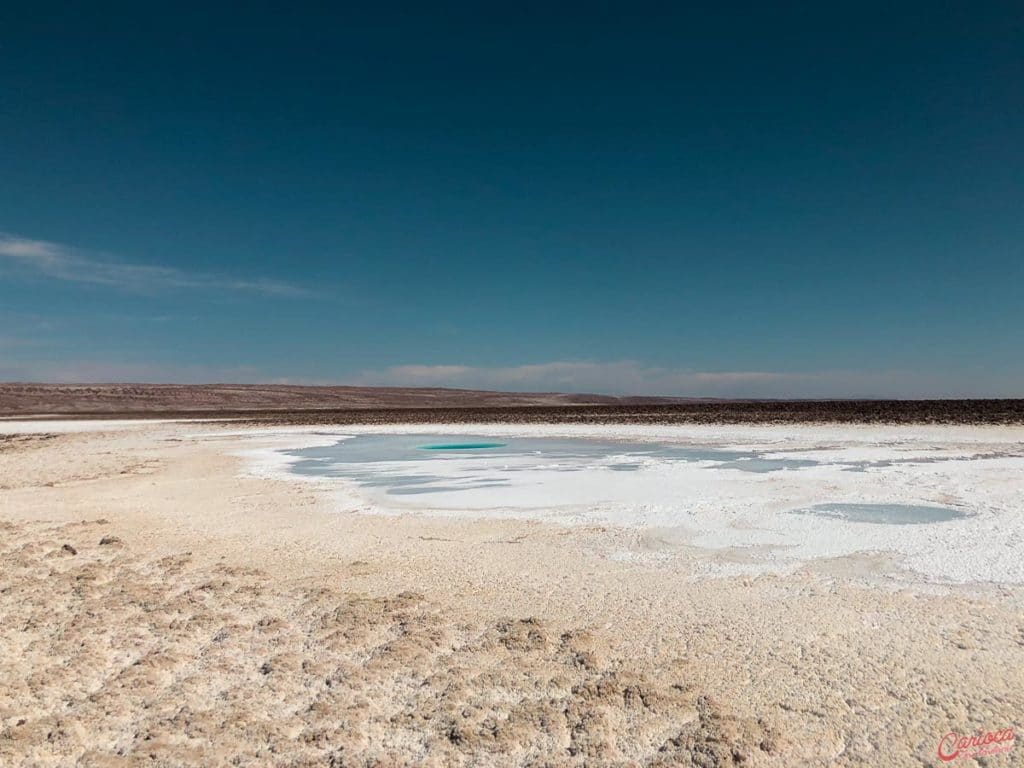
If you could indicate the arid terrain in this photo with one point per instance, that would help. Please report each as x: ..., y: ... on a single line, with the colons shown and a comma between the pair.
x: 247, y: 398
x: 287, y: 404
x: 160, y: 605
x: 129, y: 659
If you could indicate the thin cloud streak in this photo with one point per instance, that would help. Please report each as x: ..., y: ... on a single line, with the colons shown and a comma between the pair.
x: 62, y: 262
x: 622, y: 377
x: 629, y: 377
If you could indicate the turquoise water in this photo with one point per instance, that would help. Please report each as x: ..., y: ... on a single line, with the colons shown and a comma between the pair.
x: 461, y: 446
x: 887, y: 514
x: 414, y: 464
x: 570, y: 470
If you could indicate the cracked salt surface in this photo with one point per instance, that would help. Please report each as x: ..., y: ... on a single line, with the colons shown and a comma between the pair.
x: 729, y: 487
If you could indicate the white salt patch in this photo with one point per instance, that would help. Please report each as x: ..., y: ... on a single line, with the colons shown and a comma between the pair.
x: 23, y: 426
x: 727, y: 508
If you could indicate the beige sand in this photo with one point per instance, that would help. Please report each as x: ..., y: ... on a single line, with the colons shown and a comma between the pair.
x: 239, y: 621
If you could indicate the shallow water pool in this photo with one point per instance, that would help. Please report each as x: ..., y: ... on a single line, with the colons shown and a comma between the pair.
x: 771, y: 498
x: 407, y: 465
x: 887, y: 514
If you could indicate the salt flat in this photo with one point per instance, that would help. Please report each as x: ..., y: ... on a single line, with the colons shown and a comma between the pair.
x: 753, y: 489
x: 255, y: 616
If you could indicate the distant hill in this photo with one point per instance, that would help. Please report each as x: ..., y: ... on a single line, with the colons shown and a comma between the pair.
x: 16, y: 399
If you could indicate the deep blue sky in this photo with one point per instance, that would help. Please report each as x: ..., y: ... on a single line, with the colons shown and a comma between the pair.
x: 816, y: 199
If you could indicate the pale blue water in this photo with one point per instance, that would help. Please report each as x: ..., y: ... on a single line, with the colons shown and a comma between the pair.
x: 889, y: 514
x: 461, y: 446
x: 414, y: 465
x: 376, y: 461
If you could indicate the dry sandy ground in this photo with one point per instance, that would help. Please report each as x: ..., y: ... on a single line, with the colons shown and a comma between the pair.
x: 18, y: 398
x: 231, y: 620
x: 294, y: 404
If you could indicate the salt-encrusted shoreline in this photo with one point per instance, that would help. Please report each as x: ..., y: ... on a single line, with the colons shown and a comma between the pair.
x: 974, y: 469
x: 489, y: 641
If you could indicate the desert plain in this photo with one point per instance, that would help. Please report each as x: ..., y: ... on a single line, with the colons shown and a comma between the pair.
x: 170, y: 597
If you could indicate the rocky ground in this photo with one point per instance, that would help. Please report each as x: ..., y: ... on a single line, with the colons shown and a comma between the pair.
x: 287, y: 404
x: 112, y: 658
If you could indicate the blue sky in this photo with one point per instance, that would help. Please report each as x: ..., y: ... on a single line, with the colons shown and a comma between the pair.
x: 824, y: 200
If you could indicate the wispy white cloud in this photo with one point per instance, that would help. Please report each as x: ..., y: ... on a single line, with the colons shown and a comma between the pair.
x: 619, y: 377
x: 62, y: 262
x: 629, y: 377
